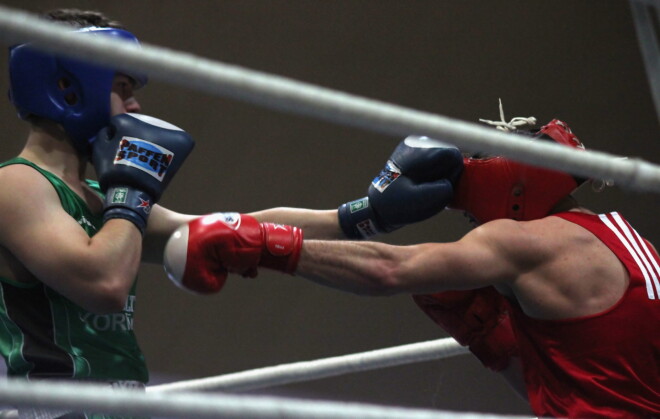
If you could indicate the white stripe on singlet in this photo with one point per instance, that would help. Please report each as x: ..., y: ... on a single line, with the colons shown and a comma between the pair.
x: 640, y: 258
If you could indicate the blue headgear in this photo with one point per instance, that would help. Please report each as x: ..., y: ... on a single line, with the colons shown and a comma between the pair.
x: 74, y: 93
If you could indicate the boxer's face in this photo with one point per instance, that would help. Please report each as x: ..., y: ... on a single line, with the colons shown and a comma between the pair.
x: 122, y: 99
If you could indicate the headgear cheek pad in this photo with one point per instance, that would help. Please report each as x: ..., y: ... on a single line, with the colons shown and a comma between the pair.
x: 74, y: 93
x: 495, y: 187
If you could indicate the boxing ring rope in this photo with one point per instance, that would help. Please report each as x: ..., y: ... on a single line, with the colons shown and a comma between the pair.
x: 95, y: 398
x: 100, y: 398
x: 321, y: 368
x: 305, y: 99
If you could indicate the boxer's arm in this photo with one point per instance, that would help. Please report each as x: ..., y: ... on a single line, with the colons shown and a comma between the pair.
x: 162, y: 224
x: 318, y: 224
x: 493, y: 254
x: 490, y: 255
x: 416, y: 183
x: 96, y: 273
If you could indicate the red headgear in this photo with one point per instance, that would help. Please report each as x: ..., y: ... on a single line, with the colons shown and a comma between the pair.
x: 495, y: 187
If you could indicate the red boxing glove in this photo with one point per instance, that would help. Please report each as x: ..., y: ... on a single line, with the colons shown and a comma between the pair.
x: 199, y: 254
x: 478, y: 319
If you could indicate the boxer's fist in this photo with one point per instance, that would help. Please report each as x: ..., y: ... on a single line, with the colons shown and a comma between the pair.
x: 416, y: 183
x: 199, y: 254
x: 135, y: 158
x: 478, y: 319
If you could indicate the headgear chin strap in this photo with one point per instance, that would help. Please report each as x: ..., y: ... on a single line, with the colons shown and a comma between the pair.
x: 74, y: 93
x: 495, y: 187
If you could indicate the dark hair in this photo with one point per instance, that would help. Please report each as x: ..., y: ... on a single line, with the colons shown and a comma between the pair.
x: 82, y: 18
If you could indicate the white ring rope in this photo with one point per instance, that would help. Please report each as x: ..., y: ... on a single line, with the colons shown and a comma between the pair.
x: 321, y: 368
x: 301, y: 98
x: 93, y: 398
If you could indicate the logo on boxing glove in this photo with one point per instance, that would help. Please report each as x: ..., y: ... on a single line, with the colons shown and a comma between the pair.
x: 144, y: 206
x: 389, y: 174
x: 120, y: 196
x: 231, y: 219
x: 144, y: 155
x: 367, y: 228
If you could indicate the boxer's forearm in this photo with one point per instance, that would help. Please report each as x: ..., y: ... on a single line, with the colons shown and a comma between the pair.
x: 317, y: 224
x: 366, y: 268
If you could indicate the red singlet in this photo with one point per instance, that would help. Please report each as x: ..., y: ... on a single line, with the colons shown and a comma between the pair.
x: 605, y: 365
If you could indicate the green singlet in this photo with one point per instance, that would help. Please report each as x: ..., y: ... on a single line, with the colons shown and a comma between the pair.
x: 45, y: 335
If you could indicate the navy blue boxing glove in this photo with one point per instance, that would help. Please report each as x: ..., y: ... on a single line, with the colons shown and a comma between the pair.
x: 416, y: 183
x: 135, y: 158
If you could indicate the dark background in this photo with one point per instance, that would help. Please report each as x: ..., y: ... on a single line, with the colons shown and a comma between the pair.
x: 577, y: 60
